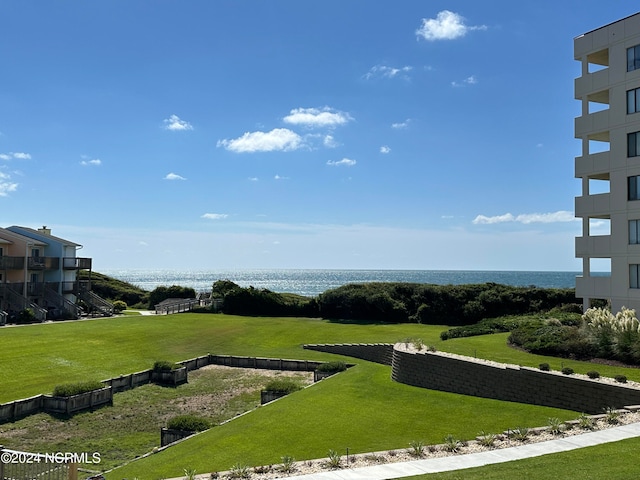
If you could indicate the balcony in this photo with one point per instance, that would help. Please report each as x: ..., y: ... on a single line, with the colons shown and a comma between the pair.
x: 76, y: 263
x: 591, y: 83
x: 43, y: 263
x: 593, y: 246
x: 591, y: 165
x: 592, y: 123
x: 11, y: 263
x: 593, y: 205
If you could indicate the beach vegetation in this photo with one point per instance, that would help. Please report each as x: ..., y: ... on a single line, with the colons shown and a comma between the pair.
x: 161, y: 293
x: 437, y: 304
x: 112, y: 289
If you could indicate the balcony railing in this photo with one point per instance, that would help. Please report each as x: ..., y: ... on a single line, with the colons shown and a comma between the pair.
x: 11, y: 263
x: 78, y: 263
x: 43, y: 263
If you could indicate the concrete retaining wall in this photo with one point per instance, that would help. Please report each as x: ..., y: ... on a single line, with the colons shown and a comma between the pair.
x: 469, y: 376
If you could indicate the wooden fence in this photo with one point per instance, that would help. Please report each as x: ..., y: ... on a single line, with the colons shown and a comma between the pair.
x: 46, y: 403
x: 25, y: 465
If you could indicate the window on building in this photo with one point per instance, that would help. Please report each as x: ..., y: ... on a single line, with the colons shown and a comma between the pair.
x: 633, y: 100
x: 634, y: 232
x: 634, y: 275
x: 633, y: 188
x: 633, y: 144
x: 633, y: 58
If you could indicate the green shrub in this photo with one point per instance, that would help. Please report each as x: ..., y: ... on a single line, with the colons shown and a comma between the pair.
x: 70, y: 389
x: 164, y: 366
x: 593, y: 374
x: 620, y: 378
x: 567, y: 371
x: 332, y: 367
x: 284, y: 385
x: 189, y: 422
x: 521, y: 434
x: 119, y: 306
x: 545, y: 367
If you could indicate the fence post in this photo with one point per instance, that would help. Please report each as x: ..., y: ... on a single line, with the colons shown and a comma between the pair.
x: 73, y: 471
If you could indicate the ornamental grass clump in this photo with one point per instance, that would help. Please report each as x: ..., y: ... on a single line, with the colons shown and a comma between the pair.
x: 335, y: 459
x: 164, y: 366
x: 486, y: 439
x: 189, y: 422
x: 283, y: 385
x: 416, y: 448
x: 452, y: 444
x: 556, y: 426
x: 69, y: 389
x: 332, y: 367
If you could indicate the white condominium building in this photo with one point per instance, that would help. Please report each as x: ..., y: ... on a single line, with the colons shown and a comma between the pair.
x: 609, y: 166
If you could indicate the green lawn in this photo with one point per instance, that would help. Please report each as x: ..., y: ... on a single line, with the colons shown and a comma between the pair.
x: 361, y: 409
x: 611, y: 461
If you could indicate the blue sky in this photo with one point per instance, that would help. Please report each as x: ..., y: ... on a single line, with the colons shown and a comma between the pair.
x: 288, y: 134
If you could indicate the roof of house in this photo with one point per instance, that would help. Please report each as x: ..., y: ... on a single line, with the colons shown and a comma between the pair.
x: 44, y: 236
x: 8, y: 237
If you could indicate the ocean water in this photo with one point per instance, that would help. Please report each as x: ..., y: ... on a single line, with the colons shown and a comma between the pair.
x: 314, y: 282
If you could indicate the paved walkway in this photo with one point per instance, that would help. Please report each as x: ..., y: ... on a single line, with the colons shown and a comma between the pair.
x: 457, y: 462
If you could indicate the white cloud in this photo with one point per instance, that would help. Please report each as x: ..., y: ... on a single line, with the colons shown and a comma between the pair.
x: 446, y: 26
x: 278, y: 139
x: 17, y: 155
x: 329, y: 141
x: 142, y: 243
x: 6, y: 186
x: 94, y: 162
x: 345, y: 162
x: 317, y: 117
x: 173, y: 176
x: 253, y: 179
x: 215, y: 216
x: 280, y: 177
x: 385, y: 149
x: 385, y: 71
x: 401, y: 125
x: 560, y: 216
x: 472, y: 80
x: 176, y: 124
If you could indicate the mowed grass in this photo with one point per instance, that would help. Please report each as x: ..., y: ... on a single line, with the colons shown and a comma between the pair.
x: 361, y: 409
x: 611, y: 461
x: 36, y: 358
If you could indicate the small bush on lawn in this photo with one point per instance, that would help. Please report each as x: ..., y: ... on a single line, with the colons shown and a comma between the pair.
x: 545, y: 367
x: 164, y: 366
x: 620, y: 379
x: 332, y: 367
x: 70, y: 389
x: 593, y: 374
x: 567, y: 371
x: 191, y: 423
x: 285, y: 385
x: 119, y: 306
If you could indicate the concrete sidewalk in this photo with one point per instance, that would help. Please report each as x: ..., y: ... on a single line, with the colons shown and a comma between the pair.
x: 458, y: 462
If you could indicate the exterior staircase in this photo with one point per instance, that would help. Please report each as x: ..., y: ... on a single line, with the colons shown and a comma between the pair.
x: 18, y: 302
x: 56, y: 300
x: 96, y: 303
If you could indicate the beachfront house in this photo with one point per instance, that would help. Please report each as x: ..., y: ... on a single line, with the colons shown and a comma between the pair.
x: 39, y: 272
